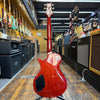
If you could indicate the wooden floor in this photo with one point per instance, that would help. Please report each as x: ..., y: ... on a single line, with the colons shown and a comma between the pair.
x: 21, y: 88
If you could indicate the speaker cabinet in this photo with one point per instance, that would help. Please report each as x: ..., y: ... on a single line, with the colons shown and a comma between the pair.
x: 38, y: 48
x: 60, y: 50
x: 23, y: 54
x: 74, y: 51
x: 83, y: 51
x: 27, y: 52
x: 10, y: 65
x: 95, y: 54
x: 33, y: 49
x: 66, y: 50
x: 9, y: 47
x: 26, y: 41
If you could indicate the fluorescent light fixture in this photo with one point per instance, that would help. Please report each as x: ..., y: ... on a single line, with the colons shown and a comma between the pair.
x: 66, y: 23
x: 57, y: 18
x: 60, y: 26
x: 65, y: 12
x: 56, y: 23
x: 59, y: 23
x: 60, y: 29
x: 93, y: 13
x: 67, y: 0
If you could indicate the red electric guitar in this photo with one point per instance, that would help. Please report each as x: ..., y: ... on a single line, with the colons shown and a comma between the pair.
x: 49, y: 13
x: 50, y: 81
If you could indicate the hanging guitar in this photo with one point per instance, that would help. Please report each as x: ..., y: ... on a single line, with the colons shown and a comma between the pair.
x: 1, y: 21
x: 19, y: 22
x: 3, y: 18
x: 9, y: 19
x: 13, y: 19
x: 50, y: 81
x: 4, y: 13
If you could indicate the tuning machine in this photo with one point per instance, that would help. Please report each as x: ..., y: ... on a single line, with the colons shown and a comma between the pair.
x: 45, y: 4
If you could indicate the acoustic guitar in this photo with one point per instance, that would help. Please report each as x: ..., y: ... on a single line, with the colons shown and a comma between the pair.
x: 50, y: 81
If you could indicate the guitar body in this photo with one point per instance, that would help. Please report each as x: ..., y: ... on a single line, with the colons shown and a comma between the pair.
x: 50, y: 81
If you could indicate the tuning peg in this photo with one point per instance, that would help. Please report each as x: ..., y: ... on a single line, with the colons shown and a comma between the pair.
x: 44, y: 4
x: 44, y: 8
x: 53, y: 8
x: 52, y: 4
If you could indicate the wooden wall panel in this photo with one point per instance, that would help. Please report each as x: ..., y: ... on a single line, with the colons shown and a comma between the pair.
x: 43, y: 43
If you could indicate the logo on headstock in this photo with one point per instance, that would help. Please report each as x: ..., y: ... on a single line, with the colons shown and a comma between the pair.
x: 49, y: 9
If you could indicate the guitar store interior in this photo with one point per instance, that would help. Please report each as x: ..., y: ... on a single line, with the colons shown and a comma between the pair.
x: 75, y: 36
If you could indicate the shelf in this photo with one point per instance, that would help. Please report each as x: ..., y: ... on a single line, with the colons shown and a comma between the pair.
x: 30, y: 13
x: 94, y: 32
x: 23, y: 12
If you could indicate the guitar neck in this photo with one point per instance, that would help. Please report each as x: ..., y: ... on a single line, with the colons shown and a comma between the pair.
x: 49, y: 41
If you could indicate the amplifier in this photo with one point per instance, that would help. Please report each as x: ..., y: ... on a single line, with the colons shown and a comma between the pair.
x: 83, y: 51
x: 30, y: 51
x: 33, y: 49
x: 10, y: 65
x: 26, y: 41
x: 66, y: 50
x: 94, y: 64
x: 60, y: 50
x: 23, y: 54
x: 59, y: 41
x: 38, y: 48
x: 9, y: 47
x: 74, y: 51
x: 27, y: 52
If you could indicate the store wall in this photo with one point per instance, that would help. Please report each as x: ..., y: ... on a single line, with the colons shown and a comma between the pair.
x: 40, y: 34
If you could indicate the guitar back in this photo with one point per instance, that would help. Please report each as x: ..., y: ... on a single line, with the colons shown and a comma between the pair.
x: 50, y: 81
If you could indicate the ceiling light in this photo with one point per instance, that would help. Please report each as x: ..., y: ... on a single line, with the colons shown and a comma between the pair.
x: 65, y: 12
x: 57, y: 18
x: 67, y: 0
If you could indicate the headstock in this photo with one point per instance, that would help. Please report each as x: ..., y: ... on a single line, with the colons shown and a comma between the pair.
x: 49, y: 9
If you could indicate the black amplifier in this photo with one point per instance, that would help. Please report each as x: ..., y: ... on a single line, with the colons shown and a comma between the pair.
x: 74, y: 51
x: 38, y: 48
x: 60, y: 49
x: 66, y: 47
x: 10, y: 65
x: 23, y: 54
x: 33, y: 49
x: 30, y: 51
x: 26, y: 41
x: 9, y: 47
x: 27, y: 52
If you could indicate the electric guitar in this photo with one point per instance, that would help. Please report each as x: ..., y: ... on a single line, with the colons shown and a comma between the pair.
x: 4, y: 15
x: 49, y: 13
x: 19, y: 22
x: 50, y: 81
x: 16, y: 19
x: 13, y: 20
x: 9, y: 19
x: 1, y: 21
